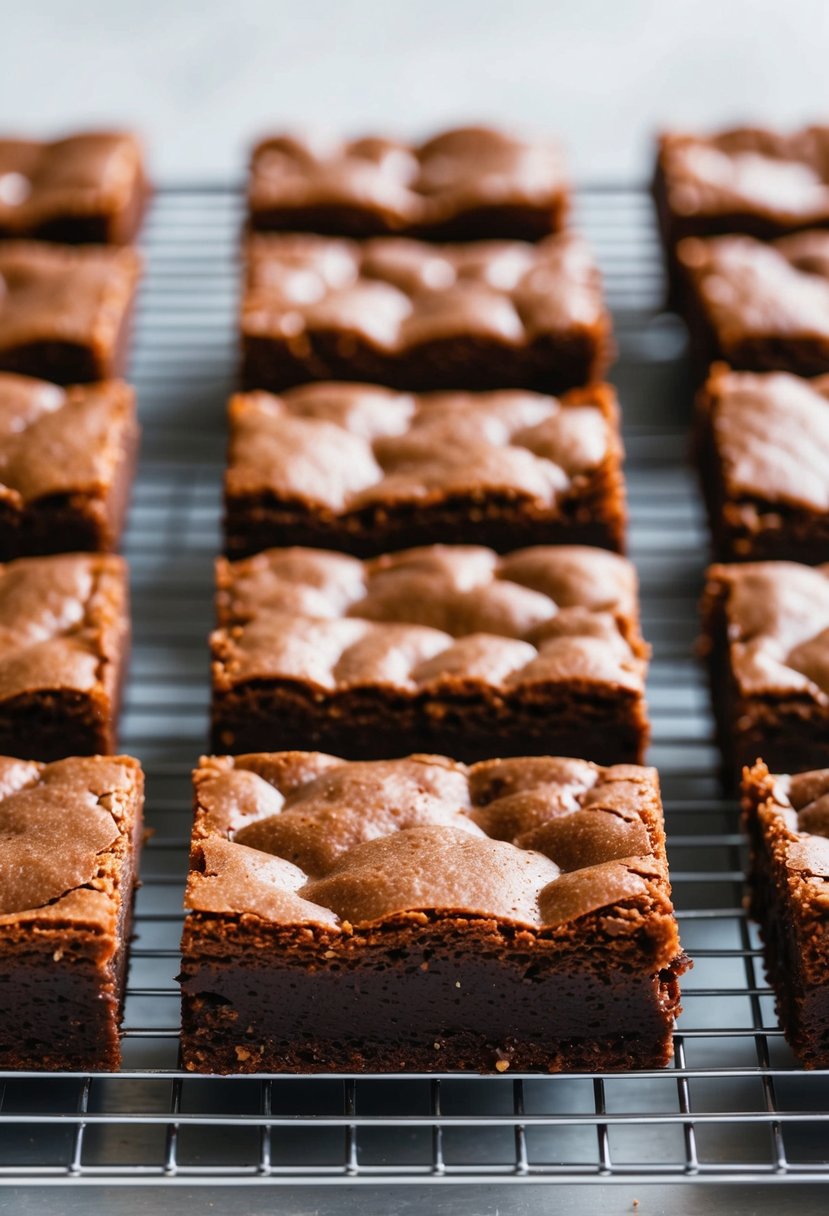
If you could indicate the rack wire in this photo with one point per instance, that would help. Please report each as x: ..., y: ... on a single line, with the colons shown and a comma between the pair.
x: 734, y: 1106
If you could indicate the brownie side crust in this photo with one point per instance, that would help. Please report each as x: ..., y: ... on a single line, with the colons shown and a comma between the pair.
x: 66, y: 311
x: 67, y: 459
x: 763, y: 446
x: 363, y: 470
x: 86, y: 188
x: 420, y: 915
x: 468, y: 183
x: 788, y: 827
x: 765, y: 627
x: 64, y: 649
x: 489, y: 654
x: 70, y: 835
x: 409, y: 315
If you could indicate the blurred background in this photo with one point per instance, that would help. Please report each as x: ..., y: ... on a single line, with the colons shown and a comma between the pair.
x: 201, y: 78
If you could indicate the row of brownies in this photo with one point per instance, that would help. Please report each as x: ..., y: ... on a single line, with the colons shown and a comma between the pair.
x: 744, y: 217
x: 70, y: 808
x: 423, y: 605
x: 487, y: 913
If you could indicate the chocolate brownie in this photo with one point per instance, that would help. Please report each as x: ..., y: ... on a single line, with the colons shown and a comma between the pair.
x: 445, y: 646
x: 85, y: 188
x: 763, y: 446
x: 486, y: 315
x: 464, y: 184
x: 419, y: 915
x: 66, y: 463
x: 65, y: 311
x: 64, y: 642
x: 70, y: 834
x: 787, y: 820
x: 365, y: 470
x: 759, y: 306
x: 766, y: 637
x: 747, y: 180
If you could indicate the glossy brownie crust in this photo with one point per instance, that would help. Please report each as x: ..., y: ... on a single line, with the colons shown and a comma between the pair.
x: 758, y: 306
x: 65, y: 925
x: 362, y: 470
x: 404, y: 933
x: 470, y: 183
x: 763, y: 453
x: 66, y: 465
x: 765, y: 636
x: 537, y: 651
x: 787, y: 823
x: 486, y: 315
x: 88, y: 188
x: 64, y: 648
x: 65, y: 313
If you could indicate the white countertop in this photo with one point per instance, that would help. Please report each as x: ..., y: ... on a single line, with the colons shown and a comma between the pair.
x: 201, y: 78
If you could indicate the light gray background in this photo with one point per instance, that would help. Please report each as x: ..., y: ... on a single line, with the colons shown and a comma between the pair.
x: 201, y: 77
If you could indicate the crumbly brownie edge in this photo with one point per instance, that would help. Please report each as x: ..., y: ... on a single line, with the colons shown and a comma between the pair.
x: 802, y: 1005
x: 427, y: 994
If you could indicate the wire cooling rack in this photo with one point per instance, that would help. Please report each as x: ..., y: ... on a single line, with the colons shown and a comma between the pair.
x: 734, y: 1107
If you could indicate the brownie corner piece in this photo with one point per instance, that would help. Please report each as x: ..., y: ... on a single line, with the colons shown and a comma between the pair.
x: 87, y: 188
x: 468, y: 183
x: 421, y: 317
x: 438, y: 649
x: 418, y: 915
x: 66, y: 310
x: 366, y: 470
x: 788, y: 828
x: 70, y: 836
x: 67, y: 458
x: 763, y: 451
x: 64, y: 648
x: 765, y: 636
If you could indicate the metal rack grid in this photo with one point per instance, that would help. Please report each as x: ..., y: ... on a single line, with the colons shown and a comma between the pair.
x: 735, y: 1107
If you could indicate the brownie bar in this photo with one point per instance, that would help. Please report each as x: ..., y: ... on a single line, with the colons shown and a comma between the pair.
x: 85, y: 188
x: 760, y: 307
x: 67, y: 458
x: 766, y: 638
x: 70, y: 835
x: 64, y: 643
x: 535, y: 652
x: 787, y: 820
x: 418, y: 915
x: 364, y: 470
x: 487, y: 315
x: 65, y: 312
x: 466, y: 184
x: 763, y: 447
x: 748, y: 180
